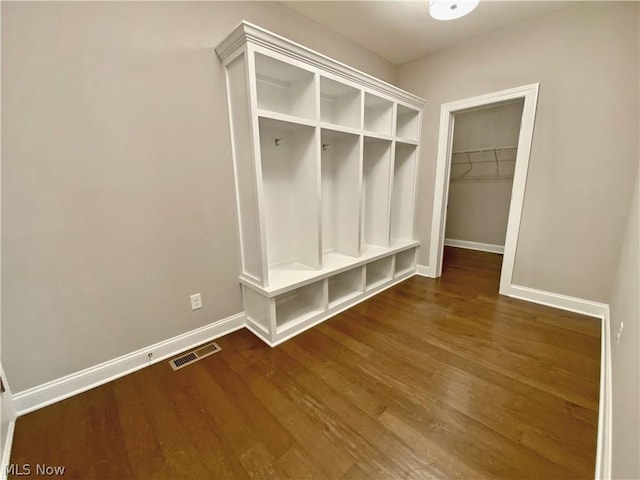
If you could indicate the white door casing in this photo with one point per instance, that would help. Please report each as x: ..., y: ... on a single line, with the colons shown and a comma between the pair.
x: 7, y: 422
x: 528, y: 93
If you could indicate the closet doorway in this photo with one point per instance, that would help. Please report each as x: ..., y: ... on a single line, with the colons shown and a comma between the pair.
x: 483, y: 157
x: 483, y: 160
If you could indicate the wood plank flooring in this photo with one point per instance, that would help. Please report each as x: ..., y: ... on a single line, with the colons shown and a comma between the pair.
x: 430, y: 379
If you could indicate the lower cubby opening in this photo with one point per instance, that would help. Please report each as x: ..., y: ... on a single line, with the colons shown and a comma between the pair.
x: 299, y: 305
x: 405, y: 262
x: 345, y: 286
x: 378, y: 272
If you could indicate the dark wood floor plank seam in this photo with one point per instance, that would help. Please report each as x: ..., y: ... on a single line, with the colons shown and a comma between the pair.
x: 488, y: 362
x: 512, y: 436
x: 319, y: 448
x: 315, y: 387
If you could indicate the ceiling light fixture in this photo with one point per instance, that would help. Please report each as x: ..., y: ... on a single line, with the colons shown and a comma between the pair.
x: 451, y: 9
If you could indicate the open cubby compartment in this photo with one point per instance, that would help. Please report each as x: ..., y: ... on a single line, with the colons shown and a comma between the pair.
x: 407, y: 122
x: 378, y: 272
x: 340, y: 104
x: 378, y: 114
x: 376, y: 178
x: 345, y: 286
x: 341, y: 181
x: 403, y: 191
x: 290, y: 194
x: 405, y: 262
x: 257, y: 309
x: 284, y: 88
x: 299, y: 305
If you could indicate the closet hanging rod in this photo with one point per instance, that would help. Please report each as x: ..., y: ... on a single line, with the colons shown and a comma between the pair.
x: 481, y: 179
x: 481, y: 150
x: 473, y: 162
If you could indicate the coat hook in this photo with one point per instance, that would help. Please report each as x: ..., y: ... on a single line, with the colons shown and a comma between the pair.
x: 278, y: 140
x: 325, y: 146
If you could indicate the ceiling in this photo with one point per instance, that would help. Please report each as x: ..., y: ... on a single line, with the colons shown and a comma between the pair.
x: 401, y: 31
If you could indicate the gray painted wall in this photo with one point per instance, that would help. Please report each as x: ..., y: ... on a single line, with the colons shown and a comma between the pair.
x: 584, y: 161
x: 585, y: 144
x: 625, y: 354
x: 118, y: 198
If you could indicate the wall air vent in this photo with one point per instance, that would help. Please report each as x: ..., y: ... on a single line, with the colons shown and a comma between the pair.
x: 194, y: 355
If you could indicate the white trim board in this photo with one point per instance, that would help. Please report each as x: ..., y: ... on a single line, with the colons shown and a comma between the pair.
x: 562, y: 302
x: 441, y: 188
x: 598, y: 310
x: 555, y: 300
x: 6, y: 451
x: 603, y: 447
x: 425, y: 271
x: 483, y: 247
x: 78, y: 382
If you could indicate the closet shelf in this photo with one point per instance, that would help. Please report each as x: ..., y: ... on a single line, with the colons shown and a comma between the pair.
x: 482, y: 150
x: 482, y: 179
x: 477, y: 165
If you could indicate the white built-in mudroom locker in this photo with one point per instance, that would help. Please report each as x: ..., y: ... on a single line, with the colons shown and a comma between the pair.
x: 325, y: 162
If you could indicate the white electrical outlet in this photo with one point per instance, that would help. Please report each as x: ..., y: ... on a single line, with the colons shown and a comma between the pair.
x: 196, y: 301
x: 619, y: 332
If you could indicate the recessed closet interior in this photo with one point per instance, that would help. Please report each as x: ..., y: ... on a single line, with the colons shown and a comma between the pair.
x: 483, y: 159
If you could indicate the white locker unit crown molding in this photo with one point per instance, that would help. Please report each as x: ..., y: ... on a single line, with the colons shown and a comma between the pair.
x: 325, y: 161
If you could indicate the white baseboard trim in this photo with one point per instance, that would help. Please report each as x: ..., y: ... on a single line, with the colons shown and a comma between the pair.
x: 483, y: 247
x: 601, y: 311
x: 425, y: 271
x: 65, y: 387
x: 75, y: 383
x: 6, y: 451
x: 603, y: 448
x: 556, y: 300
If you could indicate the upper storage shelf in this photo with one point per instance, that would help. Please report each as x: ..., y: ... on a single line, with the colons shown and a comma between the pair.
x: 407, y: 123
x: 284, y: 88
x: 378, y: 114
x: 299, y: 62
x: 340, y: 104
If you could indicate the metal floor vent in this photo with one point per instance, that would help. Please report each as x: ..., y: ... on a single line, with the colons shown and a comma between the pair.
x: 194, y: 355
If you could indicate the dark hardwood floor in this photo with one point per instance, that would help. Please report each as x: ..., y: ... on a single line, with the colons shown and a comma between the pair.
x: 430, y: 379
